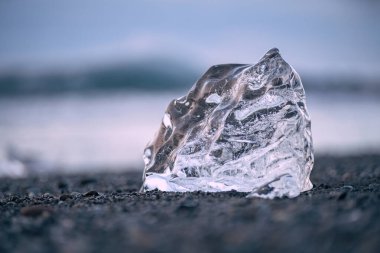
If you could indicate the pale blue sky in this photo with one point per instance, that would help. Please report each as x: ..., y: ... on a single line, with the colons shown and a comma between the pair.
x: 314, y: 36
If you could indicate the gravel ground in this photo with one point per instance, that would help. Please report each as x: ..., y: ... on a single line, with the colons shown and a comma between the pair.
x: 105, y: 213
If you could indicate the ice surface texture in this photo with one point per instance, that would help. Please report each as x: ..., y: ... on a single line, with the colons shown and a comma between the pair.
x: 241, y: 127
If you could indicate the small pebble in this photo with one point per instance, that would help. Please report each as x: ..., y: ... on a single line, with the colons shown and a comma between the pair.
x: 65, y: 197
x: 91, y: 194
x: 374, y: 186
x: 76, y: 194
x: 188, y: 204
x: 348, y: 187
x: 343, y: 195
x: 35, y: 211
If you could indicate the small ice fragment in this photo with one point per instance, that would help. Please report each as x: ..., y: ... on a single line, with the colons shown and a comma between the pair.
x: 10, y: 168
x: 257, y: 141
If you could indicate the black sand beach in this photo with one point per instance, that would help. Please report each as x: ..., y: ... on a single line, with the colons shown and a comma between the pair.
x: 105, y: 213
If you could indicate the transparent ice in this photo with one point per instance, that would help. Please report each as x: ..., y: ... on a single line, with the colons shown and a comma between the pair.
x: 241, y: 127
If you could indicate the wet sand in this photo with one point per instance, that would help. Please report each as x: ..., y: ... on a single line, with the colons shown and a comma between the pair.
x: 105, y: 213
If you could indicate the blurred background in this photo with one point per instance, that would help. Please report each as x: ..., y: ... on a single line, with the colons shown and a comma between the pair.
x: 84, y: 84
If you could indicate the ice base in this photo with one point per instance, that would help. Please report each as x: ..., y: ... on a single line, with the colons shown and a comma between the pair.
x: 277, y: 186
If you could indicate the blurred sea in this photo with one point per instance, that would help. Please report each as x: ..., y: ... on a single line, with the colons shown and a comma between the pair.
x: 84, y: 85
x: 108, y: 131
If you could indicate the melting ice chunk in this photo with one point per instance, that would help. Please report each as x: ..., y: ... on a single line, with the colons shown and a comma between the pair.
x: 241, y: 127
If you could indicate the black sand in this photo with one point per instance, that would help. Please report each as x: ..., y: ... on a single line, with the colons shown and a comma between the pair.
x: 104, y: 213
